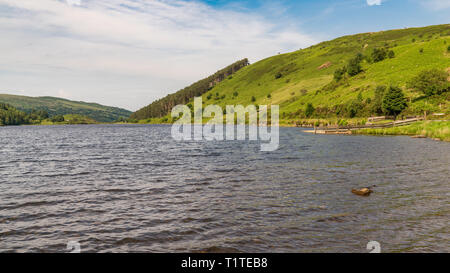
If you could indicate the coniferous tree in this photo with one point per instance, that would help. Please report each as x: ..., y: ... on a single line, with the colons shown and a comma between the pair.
x: 394, y: 101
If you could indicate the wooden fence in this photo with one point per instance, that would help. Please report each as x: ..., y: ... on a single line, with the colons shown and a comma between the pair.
x: 349, y: 128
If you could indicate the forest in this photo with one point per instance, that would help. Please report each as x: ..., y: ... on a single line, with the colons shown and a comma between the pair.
x: 11, y: 116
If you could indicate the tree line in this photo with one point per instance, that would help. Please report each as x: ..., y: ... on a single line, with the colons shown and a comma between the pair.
x: 11, y: 116
x: 163, y: 106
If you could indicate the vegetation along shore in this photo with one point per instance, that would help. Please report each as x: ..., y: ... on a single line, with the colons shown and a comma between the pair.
x: 399, y: 74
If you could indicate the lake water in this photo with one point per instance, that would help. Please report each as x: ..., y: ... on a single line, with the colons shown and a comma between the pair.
x: 132, y: 188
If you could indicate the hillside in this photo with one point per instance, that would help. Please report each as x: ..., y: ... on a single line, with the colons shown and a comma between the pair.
x: 306, y: 76
x: 163, y: 106
x: 57, y: 106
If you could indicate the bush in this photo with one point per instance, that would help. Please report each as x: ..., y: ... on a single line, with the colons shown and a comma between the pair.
x: 235, y: 94
x: 430, y: 82
x: 394, y: 101
x: 342, y: 122
x: 391, y: 54
x: 278, y: 75
x: 339, y: 74
x: 354, y: 67
x: 253, y: 99
x: 309, y: 111
x: 58, y: 118
x: 354, y: 107
x: 378, y: 54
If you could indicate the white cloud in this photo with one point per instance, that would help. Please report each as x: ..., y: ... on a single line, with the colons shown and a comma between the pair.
x: 374, y: 2
x: 128, y: 52
x: 74, y: 2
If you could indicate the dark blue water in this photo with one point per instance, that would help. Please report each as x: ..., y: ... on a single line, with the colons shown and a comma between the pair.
x: 117, y: 188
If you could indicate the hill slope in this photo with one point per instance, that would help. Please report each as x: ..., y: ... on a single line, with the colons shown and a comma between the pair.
x: 294, y: 80
x: 163, y: 106
x: 57, y: 106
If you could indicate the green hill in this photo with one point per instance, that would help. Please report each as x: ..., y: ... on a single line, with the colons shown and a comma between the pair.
x: 163, y: 106
x: 57, y: 106
x: 306, y: 76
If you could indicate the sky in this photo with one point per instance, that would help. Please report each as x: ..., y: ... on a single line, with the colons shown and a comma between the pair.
x: 127, y: 53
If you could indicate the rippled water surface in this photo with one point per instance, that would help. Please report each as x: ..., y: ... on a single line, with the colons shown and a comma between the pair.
x: 126, y: 188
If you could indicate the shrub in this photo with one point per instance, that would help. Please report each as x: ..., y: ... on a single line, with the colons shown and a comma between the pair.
x: 430, y: 82
x: 278, y: 75
x: 343, y: 122
x: 339, y: 74
x: 378, y: 54
x: 394, y: 101
x: 57, y: 118
x: 235, y: 94
x: 353, y: 108
x: 391, y: 54
x: 354, y: 67
x: 309, y: 111
x: 253, y: 99
x: 360, y: 97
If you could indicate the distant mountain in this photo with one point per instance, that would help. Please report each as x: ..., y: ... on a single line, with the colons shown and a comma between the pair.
x: 163, y: 106
x: 57, y: 106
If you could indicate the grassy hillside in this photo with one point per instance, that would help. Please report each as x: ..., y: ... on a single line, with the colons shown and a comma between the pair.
x: 305, y: 76
x: 57, y: 106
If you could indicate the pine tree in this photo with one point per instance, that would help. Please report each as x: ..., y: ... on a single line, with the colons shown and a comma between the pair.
x: 394, y: 101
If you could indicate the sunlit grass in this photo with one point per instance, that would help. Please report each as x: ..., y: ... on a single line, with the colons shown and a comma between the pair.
x: 432, y: 129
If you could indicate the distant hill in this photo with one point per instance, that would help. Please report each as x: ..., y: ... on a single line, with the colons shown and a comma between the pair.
x: 163, y: 106
x: 58, y: 106
x: 338, y: 78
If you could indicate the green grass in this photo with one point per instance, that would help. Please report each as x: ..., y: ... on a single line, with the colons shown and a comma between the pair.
x: 432, y: 129
x: 302, y: 82
x: 70, y: 119
x: 300, y: 71
x: 58, y: 106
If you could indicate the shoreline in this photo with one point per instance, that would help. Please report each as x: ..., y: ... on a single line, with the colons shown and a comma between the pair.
x: 435, y: 130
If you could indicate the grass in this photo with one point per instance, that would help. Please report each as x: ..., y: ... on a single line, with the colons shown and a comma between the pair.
x: 301, y: 81
x: 432, y: 129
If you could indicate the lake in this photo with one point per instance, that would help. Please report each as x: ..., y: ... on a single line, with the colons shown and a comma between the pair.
x: 131, y: 188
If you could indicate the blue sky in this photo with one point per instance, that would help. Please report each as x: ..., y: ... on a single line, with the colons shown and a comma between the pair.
x: 128, y: 53
x: 335, y: 18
